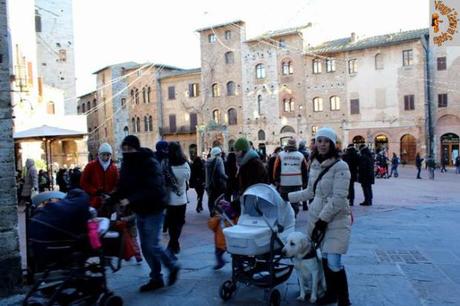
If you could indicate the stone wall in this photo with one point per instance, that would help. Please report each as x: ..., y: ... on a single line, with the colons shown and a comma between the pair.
x: 10, y: 262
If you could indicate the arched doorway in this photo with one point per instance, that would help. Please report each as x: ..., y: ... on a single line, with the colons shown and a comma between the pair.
x: 231, y: 145
x: 408, y: 149
x: 358, y: 140
x: 450, y: 144
x: 381, y: 143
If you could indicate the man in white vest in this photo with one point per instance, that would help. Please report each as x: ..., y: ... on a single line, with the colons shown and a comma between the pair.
x: 290, y: 172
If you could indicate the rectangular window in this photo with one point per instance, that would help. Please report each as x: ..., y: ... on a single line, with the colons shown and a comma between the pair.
x: 442, y: 100
x: 193, y: 121
x: 282, y: 43
x: 317, y: 66
x: 212, y: 38
x: 354, y: 106
x: 409, y: 102
x: 228, y: 35
x: 352, y: 66
x: 123, y: 102
x: 330, y: 65
x: 193, y: 90
x: 172, y: 123
x: 172, y: 93
x: 408, y: 57
x: 442, y: 64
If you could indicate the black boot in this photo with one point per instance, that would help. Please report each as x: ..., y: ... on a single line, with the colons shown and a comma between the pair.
x: 220, y: 261
x: 330, y: 296
x: 342, y: 288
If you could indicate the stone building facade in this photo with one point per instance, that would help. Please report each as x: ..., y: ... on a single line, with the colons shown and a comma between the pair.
x: 87, y: 106
x: 376, y: 93
x: 10, y: 260
x: 55, y: 48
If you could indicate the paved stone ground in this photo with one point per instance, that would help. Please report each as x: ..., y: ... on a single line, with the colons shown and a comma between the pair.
x: 405, y: 250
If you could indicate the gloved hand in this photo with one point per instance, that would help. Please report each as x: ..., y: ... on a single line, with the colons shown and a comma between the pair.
x: 318, y: 231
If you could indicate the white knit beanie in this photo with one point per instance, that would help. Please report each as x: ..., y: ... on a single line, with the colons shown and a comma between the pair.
x: 216, y: 151
x: 105, y: 148
x: 328, y: 133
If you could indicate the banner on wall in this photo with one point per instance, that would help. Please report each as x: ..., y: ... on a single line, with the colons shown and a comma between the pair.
x: 444, y: 29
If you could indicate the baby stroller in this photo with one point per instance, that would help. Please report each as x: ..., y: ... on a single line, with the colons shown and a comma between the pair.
x: 68, y: 271
x: 255, y: 243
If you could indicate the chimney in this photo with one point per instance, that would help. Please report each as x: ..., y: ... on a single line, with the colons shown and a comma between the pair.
x: 353, y: 37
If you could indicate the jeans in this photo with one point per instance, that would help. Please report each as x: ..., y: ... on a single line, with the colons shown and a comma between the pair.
x: 367, y: 191
x: 199, y: 196
x: 394, y: 169
x: 334, y: 261
x: 149, y: 227
x: 457, y: 170
x: 418, y: 171
x: 431, y: 173
x: 175, y: 218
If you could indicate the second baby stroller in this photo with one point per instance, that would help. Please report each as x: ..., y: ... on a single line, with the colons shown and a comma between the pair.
x: 255, y: 243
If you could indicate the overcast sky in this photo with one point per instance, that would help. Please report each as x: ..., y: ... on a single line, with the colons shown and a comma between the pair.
x: 112, y: 31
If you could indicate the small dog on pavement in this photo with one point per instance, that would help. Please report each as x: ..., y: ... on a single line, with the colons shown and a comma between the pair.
x: 309, y: 268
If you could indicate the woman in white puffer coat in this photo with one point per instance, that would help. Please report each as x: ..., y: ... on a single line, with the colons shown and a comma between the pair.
x: 329, y: 214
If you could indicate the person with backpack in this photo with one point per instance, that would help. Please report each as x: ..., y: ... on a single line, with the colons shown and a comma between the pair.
x: 142, y: 186
x: 329, y: 216
x: 216, y: 179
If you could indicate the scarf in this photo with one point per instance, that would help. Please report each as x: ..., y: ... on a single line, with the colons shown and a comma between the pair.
x: 104, y: 165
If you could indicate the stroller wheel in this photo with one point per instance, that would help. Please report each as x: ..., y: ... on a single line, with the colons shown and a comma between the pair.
x: 275, y: 298
x: 108, y: 299
x: 227, y: 290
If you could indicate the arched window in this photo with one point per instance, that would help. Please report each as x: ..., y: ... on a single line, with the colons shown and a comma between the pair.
x: 78, y: 109
x: 229, y: 57
x: 287, y: 67
x: 137, y: 95
x: 317, y: 104
x: 138, y: 125
x: 88, y: 105
x: 83, y: 108
x: 126, y: 131
x: 132, y: 96
x: 215, y: 90
x: 148, y: 94
x: 94, y: 103
x: 261, y: 135
x: 231, y: 88
x: 150, y: 124
x: 133, y: 124
x: 144, y: 97
x: 378, y: 61
x: 146, y: 124
x: 259, y: 104
x: 232, y: 117
x: 335, y: 103
x: 260, y: 71
x: 287, y: 129
x: 288, y: 105
x: 216, y: 116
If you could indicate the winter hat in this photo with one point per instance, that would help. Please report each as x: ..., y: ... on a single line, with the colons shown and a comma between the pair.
x: 216, y: 151
x: 302, y: 144
x: 131, y: 141
x: 105, y: 148
x: 291, y: 144
x: 327, y: 133
x: 162, y: 146
x: 242, y: 144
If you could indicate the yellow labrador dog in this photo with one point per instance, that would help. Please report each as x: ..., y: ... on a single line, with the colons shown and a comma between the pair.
x: 309, y: 269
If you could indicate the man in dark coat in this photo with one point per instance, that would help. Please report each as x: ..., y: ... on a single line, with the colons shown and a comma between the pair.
x: 351, y: 157
x: 252, y: 170
x: 366, y: 174
x: 197, y: 181
x: 271, y: 164
x: 142, y: 187
x: 418, y: 164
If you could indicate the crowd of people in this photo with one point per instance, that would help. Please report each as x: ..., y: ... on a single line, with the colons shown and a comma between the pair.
x: 149, y: 191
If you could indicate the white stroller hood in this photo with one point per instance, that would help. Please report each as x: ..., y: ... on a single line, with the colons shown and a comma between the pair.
x: 263, y: 198
x: 263, y: 213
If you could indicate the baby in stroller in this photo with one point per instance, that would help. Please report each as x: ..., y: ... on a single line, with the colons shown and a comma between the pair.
x: 67, y: 256
x: 225, y: 214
